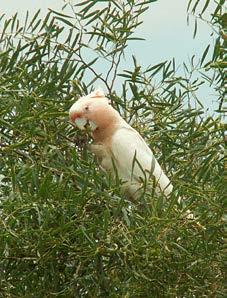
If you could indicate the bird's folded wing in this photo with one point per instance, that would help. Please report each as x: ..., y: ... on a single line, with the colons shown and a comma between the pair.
x: 131, y: 153
x: 135, y: 160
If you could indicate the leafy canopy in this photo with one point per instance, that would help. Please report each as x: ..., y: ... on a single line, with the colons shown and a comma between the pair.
x: 65, y: 228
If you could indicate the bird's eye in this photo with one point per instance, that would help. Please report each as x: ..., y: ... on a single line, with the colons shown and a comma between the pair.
x: 86, y: 108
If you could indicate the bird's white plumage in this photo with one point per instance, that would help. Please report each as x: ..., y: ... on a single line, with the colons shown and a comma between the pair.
x: 135, y: 160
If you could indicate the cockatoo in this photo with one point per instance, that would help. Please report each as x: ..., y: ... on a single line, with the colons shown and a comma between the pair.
x: 119, y: 148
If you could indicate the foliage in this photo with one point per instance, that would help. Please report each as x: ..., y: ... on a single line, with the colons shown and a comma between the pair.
x: 65, y: 229
x: 218, y: 20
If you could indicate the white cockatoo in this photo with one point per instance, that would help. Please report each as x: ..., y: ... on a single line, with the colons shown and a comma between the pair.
x: 120, y: 149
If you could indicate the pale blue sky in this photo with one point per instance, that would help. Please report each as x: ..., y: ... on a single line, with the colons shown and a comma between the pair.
x: 165, y: 30
x: 168, y: 35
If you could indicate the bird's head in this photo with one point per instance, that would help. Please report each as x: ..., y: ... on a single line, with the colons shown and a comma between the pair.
x: 92, y: 110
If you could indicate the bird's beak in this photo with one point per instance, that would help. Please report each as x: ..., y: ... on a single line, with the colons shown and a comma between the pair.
x: 76, y: 119
x: 81, y: 123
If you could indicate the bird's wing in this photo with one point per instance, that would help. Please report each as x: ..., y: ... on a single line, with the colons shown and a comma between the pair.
x: 134, y: 159
x: 131, y: 152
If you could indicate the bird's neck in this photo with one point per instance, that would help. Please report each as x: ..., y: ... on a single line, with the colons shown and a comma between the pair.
x: 104, y: 135
x: 107, y: 125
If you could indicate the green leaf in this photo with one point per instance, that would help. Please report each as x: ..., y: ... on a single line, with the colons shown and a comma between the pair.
x: 205, y: 6
x: 34, y: 19
x: 59, y: 14
x: 67, y: 22
x: 204, y: 55
x: 195, y: 28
